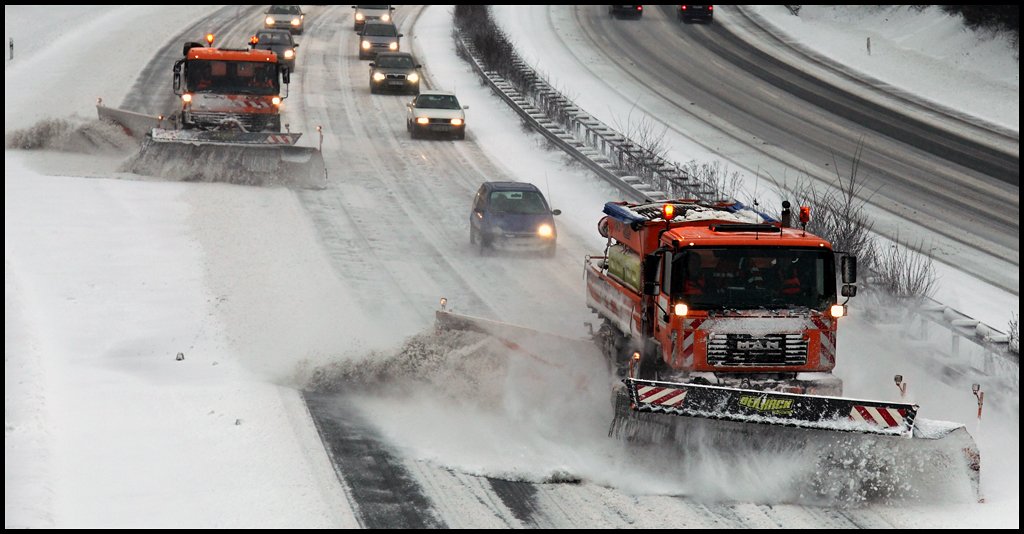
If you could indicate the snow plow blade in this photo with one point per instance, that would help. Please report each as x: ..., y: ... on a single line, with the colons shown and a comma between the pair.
x: 786, y: 409
x: 878, y: 448
x: 237, y: 157
x: 531, y: 342
x: 228, y: 155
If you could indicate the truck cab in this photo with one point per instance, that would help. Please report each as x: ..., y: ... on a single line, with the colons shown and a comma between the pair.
x: 717, y: 294
x: 223, y: 87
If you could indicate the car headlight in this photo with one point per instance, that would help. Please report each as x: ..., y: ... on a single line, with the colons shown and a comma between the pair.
x: 413, y: 77
x: 385, y: 17
x: 360, y: 16
x: 392, y: 46
x: 366, y: 45
x: 296, y: 22
x: 545, y: 230
x: 422, y: 120
x: 270, y: 21
x: 288, y: 54
x: 379, y: 76
x: 456, y: 122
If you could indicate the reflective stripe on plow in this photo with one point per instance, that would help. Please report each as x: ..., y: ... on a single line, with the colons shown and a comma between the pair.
x: 661, y: 396
x: 884, y: 417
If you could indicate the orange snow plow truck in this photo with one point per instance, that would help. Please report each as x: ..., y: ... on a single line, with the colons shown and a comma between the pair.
x: 726, y: 317
x: 228, y: 126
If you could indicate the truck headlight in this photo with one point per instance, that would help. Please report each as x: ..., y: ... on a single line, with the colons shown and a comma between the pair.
x: 379, y: 76
x: 837, y: 310
x: 544, y: 230
x: 270, y: 21
x: 276, y: 100
x: 413, y: 77
x: 681, y: 309
x: 186, y: 98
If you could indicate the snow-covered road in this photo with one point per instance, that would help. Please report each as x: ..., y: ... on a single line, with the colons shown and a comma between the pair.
x: 106, y: 279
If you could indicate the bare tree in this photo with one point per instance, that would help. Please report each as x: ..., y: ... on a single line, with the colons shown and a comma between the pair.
x: 903, y: 273
x: 716, y: 181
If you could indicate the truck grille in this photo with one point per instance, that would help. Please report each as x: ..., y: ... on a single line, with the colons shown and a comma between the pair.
x: 745, y: 350
x: 252, y: 123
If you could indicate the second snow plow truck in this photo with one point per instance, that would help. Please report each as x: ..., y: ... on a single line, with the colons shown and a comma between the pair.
x: 728, y: 318
x: 228, y: 127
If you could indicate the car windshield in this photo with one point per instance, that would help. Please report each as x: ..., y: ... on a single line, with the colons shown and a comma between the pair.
x: 231, y: 77
x: 380, y: 30
x: 437, y: 102
x: 395, y: 62
x: 284, y: 10
x: 746, y: 278
x: 274, y: 38
x: 518, y: 202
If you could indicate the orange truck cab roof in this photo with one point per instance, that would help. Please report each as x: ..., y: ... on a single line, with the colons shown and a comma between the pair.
x: 643, y: 228
x: 229, y: 54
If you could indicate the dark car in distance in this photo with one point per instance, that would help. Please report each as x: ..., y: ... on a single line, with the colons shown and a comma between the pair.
x: 512, y: 216
x: 378, y: 37
x: 625, y: 11
x: 692, y: 13
x: 279, y: 42
x: 395, y: 71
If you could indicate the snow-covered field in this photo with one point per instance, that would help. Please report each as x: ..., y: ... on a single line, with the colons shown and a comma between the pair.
x: 107, y: 279
x: 925, y: 52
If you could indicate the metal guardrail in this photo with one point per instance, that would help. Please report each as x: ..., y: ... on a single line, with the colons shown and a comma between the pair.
x: 604, y: 149
x: 609, y: 153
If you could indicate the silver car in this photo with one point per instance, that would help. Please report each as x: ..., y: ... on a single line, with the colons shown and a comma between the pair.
x: 285, y: 17
x: 378, y: 37
x: 364, y: 14
x: 436, y: 112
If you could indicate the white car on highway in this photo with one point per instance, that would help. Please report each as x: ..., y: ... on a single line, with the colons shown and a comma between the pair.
x: 436, y: 112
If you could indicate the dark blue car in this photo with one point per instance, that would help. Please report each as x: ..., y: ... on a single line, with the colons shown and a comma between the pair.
x: 512, y: 216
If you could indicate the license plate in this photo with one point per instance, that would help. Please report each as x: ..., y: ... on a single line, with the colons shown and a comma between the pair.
x: 396, y: 82
x: 441, y: 128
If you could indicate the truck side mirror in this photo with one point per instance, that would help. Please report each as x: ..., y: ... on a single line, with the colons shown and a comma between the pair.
x: 286, y: 75
x: 177, y: 82
x: 848, y: 268
x: 849, y: 290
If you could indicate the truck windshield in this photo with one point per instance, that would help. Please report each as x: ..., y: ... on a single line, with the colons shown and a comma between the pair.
x: 744, y: 278
x: 231, y: 77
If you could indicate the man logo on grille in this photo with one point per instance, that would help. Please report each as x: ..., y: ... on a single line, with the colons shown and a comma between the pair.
x: 759, y: 344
